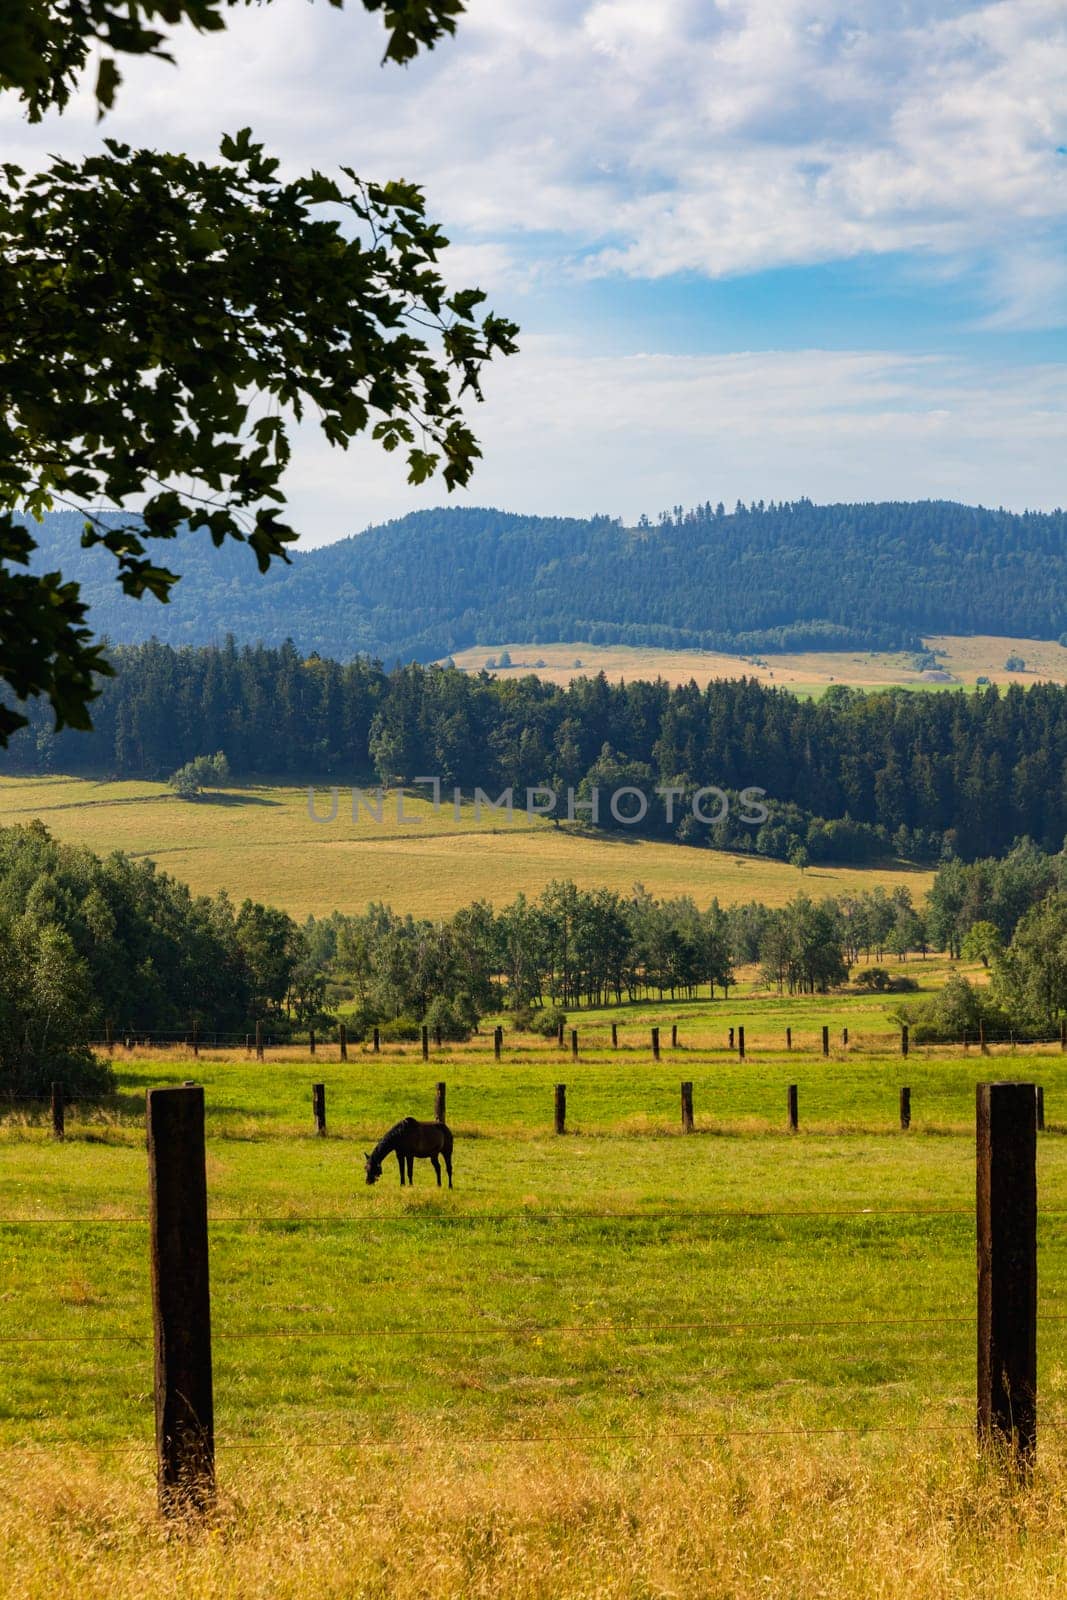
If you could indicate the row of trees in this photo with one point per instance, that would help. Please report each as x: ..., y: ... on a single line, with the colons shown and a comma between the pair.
x: 848, y: 778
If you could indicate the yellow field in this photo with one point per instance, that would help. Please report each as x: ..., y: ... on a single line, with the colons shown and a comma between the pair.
x: 965, y: 659
x: 261, y: 842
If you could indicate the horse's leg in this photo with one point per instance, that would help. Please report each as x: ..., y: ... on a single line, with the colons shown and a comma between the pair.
x: 448, y: 1166
x: 437, y: 1168
x: 411, y: 1169
x: 400, y: 1163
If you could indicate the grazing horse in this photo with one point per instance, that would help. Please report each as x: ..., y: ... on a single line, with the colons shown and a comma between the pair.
x: 410, y: 1139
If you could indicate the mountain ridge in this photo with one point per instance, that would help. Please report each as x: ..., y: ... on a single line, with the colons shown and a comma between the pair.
x: 872, y: 575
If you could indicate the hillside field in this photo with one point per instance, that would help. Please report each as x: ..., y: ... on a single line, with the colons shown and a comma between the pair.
x: 621, y: 1363
x: 260, y: 842
x: 965, y: 659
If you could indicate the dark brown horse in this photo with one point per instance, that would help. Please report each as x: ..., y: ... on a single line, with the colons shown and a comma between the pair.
x: 409, y: 1139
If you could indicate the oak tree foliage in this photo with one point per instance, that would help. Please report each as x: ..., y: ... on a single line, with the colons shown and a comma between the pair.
x: 164, y: 321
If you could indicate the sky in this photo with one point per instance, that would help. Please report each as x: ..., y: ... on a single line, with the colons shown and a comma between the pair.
x: 758, y: 249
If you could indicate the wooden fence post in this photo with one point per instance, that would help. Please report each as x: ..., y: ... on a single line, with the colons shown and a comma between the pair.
x: 376, y: 1042
x: 655, y: 1044
x: 844, y: 1036
x: 311, y: 1041
x: 259, y: 1041
x: 687, y: 1108
x: 439, y: 1103
x: 58, y: 1111
x: 425, y: 1042
x: 825, y: 1041
x: 731, y: 1044
x: 794, y: 1109
x: 196, y: 1039
x: 574, y: 1044
x: 614, y: 1035
x: 674, y: 1036
x: 318, y: 1104
x: 561, y: 1108
x: 498, y: 1041
x: 248, y: 1044
x: 181, y: 1301
x: 905, y: 1109
x: 789, y: 1038
x: 342, y: 1039
x: 559, y: 1034
x: 1040, y: 1093
x: 904, y: 1039
x: 437, y: 1035
x: 1007, y: 1269
x: 741, y: 1044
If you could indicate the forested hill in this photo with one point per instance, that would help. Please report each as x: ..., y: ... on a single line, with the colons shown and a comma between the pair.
x: 761, y: 578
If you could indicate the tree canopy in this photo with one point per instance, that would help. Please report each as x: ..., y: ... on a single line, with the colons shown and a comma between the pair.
x: 164, y: 322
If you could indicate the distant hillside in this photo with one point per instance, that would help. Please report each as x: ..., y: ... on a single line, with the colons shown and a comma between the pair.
x: 789, y: 577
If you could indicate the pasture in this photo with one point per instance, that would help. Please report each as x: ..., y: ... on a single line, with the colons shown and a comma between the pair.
x: 624, y: 1362
x: 808, y: 672
x: 261, y: 842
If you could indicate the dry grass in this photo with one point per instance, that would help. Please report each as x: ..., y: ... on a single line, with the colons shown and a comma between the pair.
x: 808, y: 671
x: 261, y: 842
x: 741, y: 1518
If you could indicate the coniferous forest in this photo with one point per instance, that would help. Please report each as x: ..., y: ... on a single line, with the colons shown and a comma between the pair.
x: 764, y: 577
x: 850, y: 777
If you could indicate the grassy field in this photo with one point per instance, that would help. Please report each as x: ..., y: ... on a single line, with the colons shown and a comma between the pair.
x: 261, y: 842
x: 965, y: 659
x: 621, y: 1363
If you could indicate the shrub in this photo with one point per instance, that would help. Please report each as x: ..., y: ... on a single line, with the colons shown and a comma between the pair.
x: 547, y: 1020
x: 447, y: 1015
x: 401, y: 1029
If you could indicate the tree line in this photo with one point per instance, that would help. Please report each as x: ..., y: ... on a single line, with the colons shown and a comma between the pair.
x: 851, y: 777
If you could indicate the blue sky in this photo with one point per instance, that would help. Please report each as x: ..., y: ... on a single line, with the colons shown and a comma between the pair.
x: 758, y: 248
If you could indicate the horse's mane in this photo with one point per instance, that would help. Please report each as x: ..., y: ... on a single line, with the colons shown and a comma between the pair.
x: 389, y: 1141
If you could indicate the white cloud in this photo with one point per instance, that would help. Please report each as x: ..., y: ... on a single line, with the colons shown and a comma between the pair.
x: 569, y: 435
x: 655, y: 136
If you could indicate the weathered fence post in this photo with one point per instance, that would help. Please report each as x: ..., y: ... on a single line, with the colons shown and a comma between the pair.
x: 376, y: 1042
x: 311, y: 1041
x: 498, y: 1041
x: 342, y: 1037
x: 687, y: 1108
x: 318, y: 1103
x: 196, y: 1039
x: 794, y: 1109
x: 425, y: 1042
x: 674, y: 1036
x: 904, y: 1039
x: 844, y: 1036
x: 789, y: 1038
x: 248, y: 1044
x: 740, y: 1044
x: 439, y: 1103
x: 59, y: 1106
x: 825, y: 1041
x: 561, y: 1108
x: 1040, y: 1093
x: 559, y: 1034
x: 905, y: 1108
x: 259, y: 1041
x: 731, y: 1044
x: 181, y: 1301
x: 574, y: 1044
x: 437, y: 1035
x: 614, y: 1035
x: 655, y: 1044
x: 1007, y: 1268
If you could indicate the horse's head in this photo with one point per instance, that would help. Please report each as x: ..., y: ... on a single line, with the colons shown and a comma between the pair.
x: 374, y: 1168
